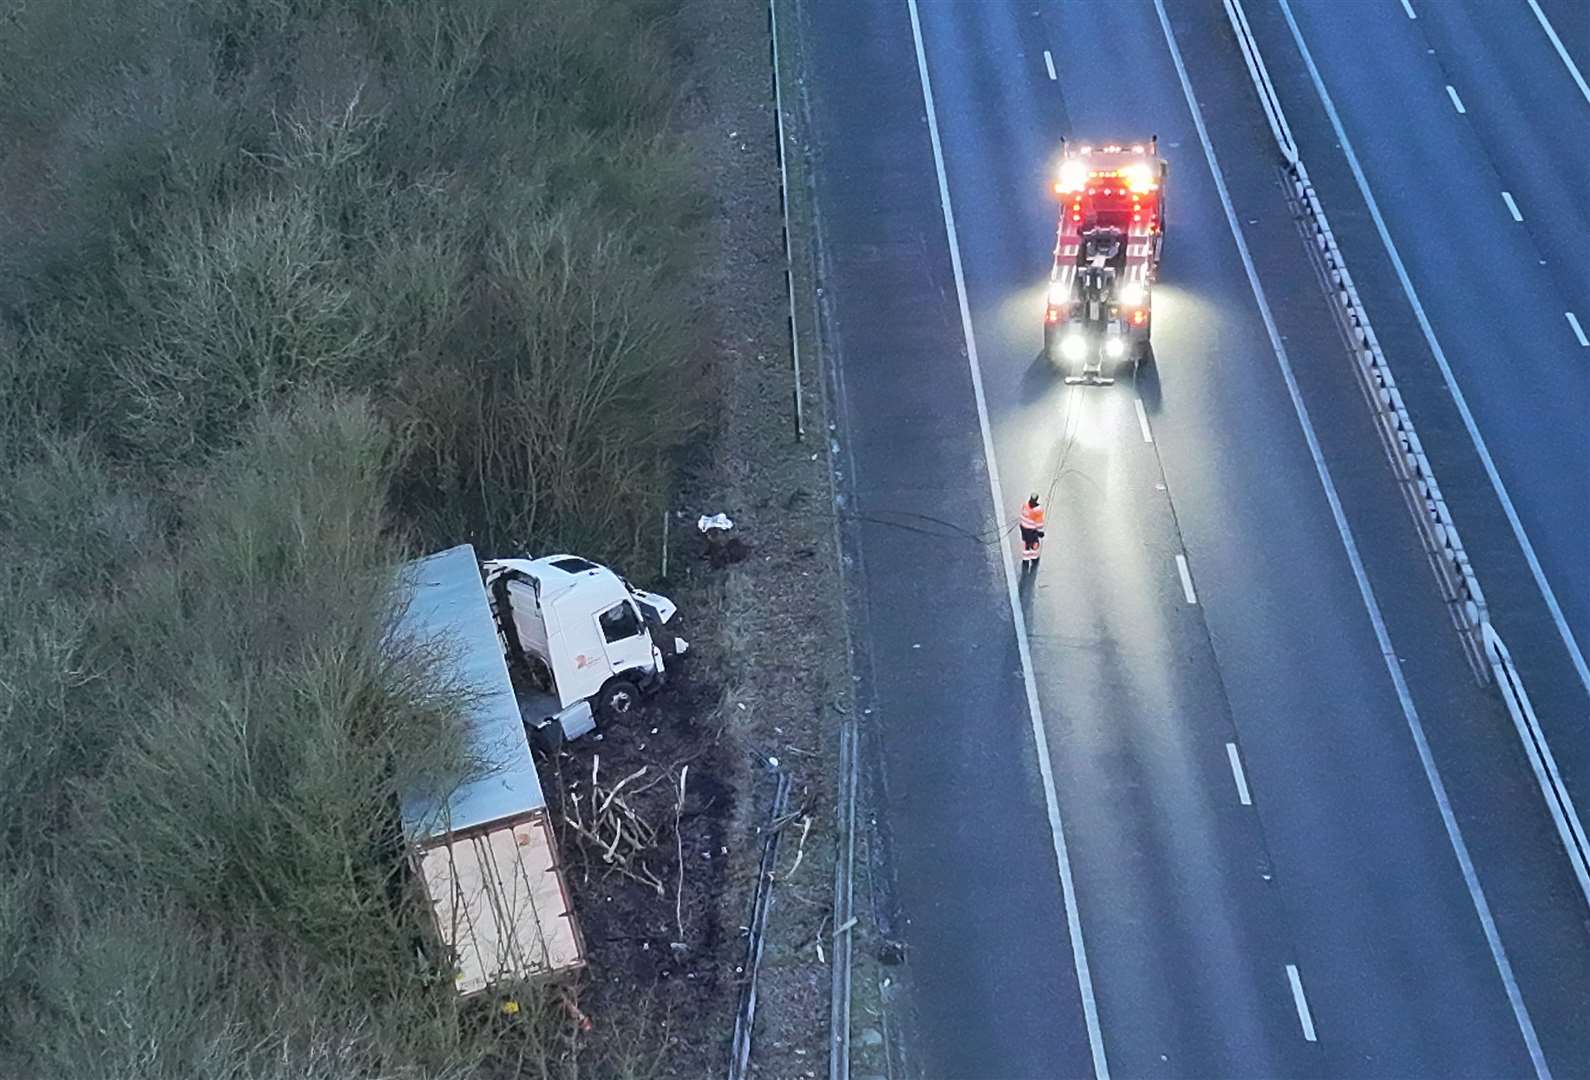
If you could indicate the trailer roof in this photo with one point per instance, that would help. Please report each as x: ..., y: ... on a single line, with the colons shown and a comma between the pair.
x: 446, y: 603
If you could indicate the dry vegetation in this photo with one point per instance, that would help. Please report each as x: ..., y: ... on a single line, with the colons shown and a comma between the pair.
x: 289, y: 289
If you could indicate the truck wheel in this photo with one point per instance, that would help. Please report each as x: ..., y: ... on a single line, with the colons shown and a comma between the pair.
x: 618, y: 698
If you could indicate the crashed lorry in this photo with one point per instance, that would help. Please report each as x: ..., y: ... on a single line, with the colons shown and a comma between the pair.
x: 588, y: 643
x: 1098, y: 312
x: 483, y: 852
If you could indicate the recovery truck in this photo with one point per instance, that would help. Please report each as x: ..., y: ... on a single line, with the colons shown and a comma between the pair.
x: 1108, y: 242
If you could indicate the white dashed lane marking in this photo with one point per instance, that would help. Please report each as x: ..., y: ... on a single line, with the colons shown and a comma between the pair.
x: 1238, y: 775
x: 1301, y: 1002
x: 1186, y: 579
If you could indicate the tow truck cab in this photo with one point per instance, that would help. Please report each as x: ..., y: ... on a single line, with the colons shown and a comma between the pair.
x: 1108, y: 243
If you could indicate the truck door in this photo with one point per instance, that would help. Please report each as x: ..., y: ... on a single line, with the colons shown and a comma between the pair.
x: 624, y: 637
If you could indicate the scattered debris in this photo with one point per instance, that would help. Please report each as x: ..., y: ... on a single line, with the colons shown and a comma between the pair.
x: 800, y: 851
x: 745, y: 1017
x: 642, y: 962
x: 603, y: 819
x: 722, y: 546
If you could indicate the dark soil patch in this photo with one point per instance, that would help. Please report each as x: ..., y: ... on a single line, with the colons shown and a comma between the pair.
x: 655, y: 947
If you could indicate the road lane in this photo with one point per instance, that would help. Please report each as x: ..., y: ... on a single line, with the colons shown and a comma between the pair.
x: 1529, y: 119
x: 1235, y: 443
x: 1564, y: 25
x: 1491, y: 308
x: 955, y: 788
x: 1198, y: 908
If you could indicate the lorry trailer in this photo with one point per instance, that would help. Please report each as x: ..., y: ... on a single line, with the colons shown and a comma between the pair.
x: 482, y: 851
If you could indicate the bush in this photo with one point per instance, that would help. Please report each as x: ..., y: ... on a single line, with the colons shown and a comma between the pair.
x: 231, y: 316
x: 206, y: 749
x: 135, y: 989
x: 555, y: 436
x: 291, y: 288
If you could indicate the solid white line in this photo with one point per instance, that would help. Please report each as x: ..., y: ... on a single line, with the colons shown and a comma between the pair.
x: 1048, y: 62
x: 1301, y: 1002
x: 1573, y: 69
x: 1574, y: 652
x: 1578, y: 331
x: 1142, y: 420
x: 1409, y: 9
x: 1558, y: 801
x: 1079, y: 955
x: 1186, y: 579
x: 1237, y: 774
x: 1512, y: 207
x: 1388, y: 652
x: 1457, y: 102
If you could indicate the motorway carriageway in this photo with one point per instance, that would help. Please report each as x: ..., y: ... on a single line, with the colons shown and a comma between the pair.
x: 1466, y: 232
x: 1216, y: 793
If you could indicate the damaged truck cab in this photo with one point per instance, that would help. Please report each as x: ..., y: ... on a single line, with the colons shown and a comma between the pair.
x: 585, y: 639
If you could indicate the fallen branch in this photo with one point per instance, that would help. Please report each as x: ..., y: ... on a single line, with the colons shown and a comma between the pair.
x: 615, y: 829
x: 800, y: 851
x: 611, y: 795
x: 679, y: 840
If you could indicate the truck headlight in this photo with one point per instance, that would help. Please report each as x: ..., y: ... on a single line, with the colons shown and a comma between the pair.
x: 1073, y: 347
x: 1073, y: 174
x: 1114, y: 348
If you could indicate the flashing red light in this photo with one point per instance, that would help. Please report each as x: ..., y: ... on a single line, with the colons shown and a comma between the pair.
x: 1052, y: 315
x: 1076, y: 217
x: 1139, y: 317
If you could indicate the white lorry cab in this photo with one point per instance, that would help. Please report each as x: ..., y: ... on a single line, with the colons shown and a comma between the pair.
x: 583, y: 637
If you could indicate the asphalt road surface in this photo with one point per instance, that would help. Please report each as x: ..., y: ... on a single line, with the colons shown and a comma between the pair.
x: 1472, y: 253
x: 1215, y: 792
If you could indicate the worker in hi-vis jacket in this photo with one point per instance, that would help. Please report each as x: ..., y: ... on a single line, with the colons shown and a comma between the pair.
x: 1031, y: 522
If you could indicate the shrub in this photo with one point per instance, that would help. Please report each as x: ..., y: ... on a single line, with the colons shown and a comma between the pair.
x: 288, y: 288
x: 555, y: 434
x: 233, y: 314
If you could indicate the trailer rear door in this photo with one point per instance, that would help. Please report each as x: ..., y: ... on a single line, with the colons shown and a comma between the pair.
x: 500, y: 904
